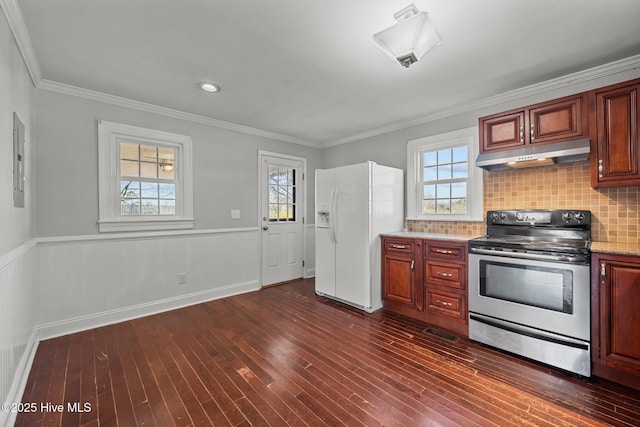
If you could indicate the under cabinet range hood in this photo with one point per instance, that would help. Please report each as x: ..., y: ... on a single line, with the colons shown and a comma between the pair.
x: 535, y: 155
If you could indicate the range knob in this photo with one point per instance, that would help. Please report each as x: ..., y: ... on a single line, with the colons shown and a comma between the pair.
x: 567, y: 216
x: 494, y: 216
x: 503, y: 215
x: 578, y: 216
x: 519, y: 216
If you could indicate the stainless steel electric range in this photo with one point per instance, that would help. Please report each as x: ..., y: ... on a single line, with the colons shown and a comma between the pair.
x: 529, y: 286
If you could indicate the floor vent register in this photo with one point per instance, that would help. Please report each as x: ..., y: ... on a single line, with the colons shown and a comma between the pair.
x: 441, y: 334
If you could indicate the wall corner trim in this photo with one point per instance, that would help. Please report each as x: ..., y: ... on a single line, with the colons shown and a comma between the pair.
x: 8, y: 418
x: 21, y: 36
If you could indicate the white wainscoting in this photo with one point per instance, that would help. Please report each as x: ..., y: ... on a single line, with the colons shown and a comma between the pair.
x: 18, y: 320
x: 86, y: 282
x: 60, y: 285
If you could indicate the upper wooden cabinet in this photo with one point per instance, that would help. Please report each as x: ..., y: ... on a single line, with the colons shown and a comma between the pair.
x: 615, y: 138
x: 559, y: 120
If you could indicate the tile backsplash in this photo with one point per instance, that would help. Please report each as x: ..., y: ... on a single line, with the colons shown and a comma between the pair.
x: 615, y: 211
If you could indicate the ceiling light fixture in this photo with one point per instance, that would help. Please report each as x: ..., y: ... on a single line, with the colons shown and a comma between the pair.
x: 209, y: 87
x: 410, y: 38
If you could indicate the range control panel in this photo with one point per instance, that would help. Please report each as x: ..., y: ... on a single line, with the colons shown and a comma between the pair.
x: 540, y: 217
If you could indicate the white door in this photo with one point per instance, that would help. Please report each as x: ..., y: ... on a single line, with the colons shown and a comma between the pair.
x: 281, y: 220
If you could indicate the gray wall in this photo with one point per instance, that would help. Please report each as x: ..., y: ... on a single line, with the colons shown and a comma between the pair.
x: 17, y: 95
x: 225, y: 165
x: 225, y: 162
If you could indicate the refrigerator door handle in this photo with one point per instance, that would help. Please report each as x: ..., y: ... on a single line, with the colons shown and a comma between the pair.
x: 332, y: 214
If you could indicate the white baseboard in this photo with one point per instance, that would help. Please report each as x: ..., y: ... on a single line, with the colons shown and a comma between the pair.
x: 8, y: 418
x: 96, y: 320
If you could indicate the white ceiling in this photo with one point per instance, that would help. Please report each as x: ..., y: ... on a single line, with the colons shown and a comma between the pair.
x: 309, y: 70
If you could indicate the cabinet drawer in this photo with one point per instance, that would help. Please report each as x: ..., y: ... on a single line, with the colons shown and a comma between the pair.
x: 399, y: 246
x: 457, y: 252
x: 445, y: 274
x: 449, y: 304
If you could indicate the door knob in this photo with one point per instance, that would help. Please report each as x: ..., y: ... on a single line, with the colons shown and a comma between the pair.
x: 265, y: 228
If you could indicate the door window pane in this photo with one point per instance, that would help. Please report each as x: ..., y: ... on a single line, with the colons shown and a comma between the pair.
x: 281, y: 193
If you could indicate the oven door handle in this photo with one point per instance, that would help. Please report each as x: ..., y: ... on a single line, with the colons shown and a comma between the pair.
x: 528, y: 255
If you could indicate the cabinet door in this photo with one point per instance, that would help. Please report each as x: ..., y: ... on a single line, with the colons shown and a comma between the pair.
x: 502, y: 131
x: 616, y: 329
x: 564, y: 119
x: 617, y: 138
x: 398, y: 283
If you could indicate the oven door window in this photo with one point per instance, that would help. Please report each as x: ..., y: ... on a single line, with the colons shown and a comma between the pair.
x: 546, y: 287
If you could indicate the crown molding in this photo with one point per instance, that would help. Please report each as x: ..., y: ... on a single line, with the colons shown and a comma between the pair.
x: 79, y: 92
x: 21, y: 35
x: 616, y: 67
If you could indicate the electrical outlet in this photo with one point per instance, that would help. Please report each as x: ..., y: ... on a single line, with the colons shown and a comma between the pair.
x: 182, y: 278
x: 235, y: 213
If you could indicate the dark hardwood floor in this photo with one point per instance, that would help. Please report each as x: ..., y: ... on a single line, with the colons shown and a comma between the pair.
x: 283, y: 356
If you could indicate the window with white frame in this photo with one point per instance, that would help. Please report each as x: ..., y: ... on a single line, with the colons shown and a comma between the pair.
x: 442, y: 181
x: 145, y: 179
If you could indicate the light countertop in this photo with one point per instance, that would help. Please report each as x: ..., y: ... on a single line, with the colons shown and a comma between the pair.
x: 596, y: 247
x: 432, y: 236
x: 616, y: 248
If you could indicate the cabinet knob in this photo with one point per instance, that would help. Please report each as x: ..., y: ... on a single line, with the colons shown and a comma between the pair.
x: 522, y: 134
x: 444, y: 303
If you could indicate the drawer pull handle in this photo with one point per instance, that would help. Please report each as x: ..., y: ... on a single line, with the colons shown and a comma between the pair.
x: 442, y: 251
x: 533, y: 132
x: 398, y: 247
x: 444, y: 303
x: 441, y: 274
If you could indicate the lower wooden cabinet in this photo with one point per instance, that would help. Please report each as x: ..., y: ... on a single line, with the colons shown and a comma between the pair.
x: 426, y: 280
x: 615, y: 317
x: 399, y: 276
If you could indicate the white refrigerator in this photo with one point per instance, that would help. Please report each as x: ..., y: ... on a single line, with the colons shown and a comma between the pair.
x: 354, y: 204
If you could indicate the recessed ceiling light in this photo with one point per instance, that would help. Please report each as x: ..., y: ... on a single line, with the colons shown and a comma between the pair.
x: 209, y: 87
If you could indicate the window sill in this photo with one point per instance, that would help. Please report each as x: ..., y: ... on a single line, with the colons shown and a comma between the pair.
x: 145, y: 225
